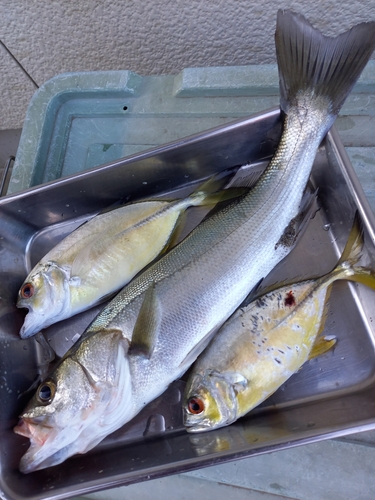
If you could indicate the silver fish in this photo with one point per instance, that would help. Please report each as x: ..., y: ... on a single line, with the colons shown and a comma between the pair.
x: 157, y: 325
x: 263, y: 344
x: 102, y: 256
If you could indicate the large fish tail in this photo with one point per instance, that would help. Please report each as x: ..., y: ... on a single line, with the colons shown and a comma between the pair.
x: 314, y: 66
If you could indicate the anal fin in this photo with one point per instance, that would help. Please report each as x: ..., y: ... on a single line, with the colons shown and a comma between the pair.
x: 322, y: 345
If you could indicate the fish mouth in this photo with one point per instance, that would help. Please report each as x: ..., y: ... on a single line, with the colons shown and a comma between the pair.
x: 45, y: 449
x: 54, y: 437
x: 202, y: 426
x: 41, y: 436
x: 197, y: 428
x: 31, y: 325
x: 36, y: 432
x: 51, y: 444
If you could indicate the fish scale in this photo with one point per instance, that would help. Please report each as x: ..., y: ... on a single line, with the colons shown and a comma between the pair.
x: 229, y: 274
x: 227, y: 238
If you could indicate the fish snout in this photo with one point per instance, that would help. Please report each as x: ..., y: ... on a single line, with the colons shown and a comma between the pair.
x: 22, y: 428
x: 31, y: 325
x: 28, y: 428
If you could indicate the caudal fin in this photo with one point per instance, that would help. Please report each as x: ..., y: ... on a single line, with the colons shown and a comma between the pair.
x: 346, y: 267
x: 311, y: 63
x: 354, y: 245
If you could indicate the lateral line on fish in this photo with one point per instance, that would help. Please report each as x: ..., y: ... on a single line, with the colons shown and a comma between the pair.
x: 278, y: 175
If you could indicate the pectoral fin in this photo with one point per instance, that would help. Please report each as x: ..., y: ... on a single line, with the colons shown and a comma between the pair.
x: 81, y: 262
x: 236, y: 380
x: 94, y: 250
x: 147, y: 326
x: 176, y: 234
x: 298, y: 224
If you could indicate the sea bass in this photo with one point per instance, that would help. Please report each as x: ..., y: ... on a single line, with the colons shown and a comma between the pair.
x: 263, y: 344
x: 103, y: 255
x: 155, y: 328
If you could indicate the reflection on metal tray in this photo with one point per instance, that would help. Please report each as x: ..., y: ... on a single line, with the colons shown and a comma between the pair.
x: 330, y: 396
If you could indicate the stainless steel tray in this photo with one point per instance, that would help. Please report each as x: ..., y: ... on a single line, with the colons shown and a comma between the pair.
x: 330, y: 396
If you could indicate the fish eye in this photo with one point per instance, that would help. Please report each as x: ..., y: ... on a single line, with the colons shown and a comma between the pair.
x: 46, y: 392
x: 27, y: 291
x: 195, y: 406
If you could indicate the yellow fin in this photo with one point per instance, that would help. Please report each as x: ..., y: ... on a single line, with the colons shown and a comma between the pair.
x: 213, y: 190
x: 362, y: 275
x: 205, y: 199
x: 175, y: 236
x: 352, y: 254
x: 354, y: 245
x: 321, y: 346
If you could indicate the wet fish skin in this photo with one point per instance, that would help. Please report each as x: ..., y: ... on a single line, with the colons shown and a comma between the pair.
x: 96, y: 371
x: 191, y: 291
x: 262, y: 345
x: 99, y: 258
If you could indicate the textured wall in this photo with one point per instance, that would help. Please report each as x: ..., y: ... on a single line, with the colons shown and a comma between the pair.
x: 159, y: 36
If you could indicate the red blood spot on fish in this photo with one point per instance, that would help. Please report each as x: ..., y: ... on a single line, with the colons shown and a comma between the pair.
x: 289, y: 300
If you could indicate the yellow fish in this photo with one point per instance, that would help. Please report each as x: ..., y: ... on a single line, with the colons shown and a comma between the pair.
x: 263, y: 344
x: 104, y: 254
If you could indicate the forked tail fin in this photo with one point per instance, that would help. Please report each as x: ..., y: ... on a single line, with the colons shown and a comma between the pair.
x: 311, y: 63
